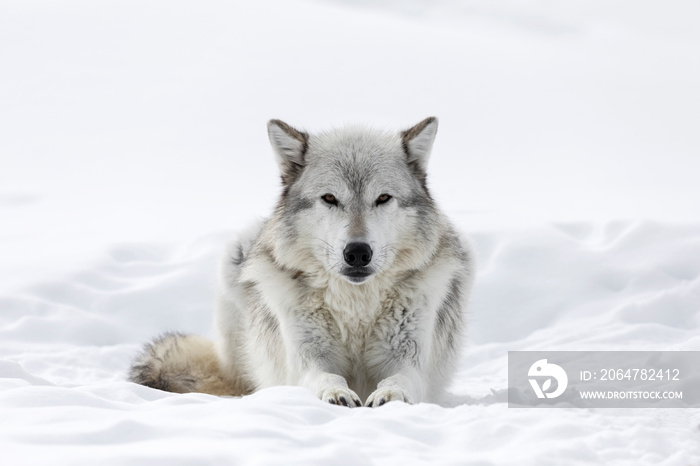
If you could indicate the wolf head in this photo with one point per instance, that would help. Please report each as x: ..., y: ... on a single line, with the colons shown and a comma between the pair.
x: 355, y: 201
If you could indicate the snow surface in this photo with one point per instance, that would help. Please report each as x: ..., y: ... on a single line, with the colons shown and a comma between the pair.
x: 132, y: 145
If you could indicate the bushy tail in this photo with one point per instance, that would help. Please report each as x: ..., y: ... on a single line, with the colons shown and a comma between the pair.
x: 182, y: 363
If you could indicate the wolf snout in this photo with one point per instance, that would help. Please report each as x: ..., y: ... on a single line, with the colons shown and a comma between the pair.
x: 357, y: 254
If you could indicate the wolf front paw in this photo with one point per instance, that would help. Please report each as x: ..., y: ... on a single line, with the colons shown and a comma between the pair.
x: 341, y: 396
x: 383, y: 395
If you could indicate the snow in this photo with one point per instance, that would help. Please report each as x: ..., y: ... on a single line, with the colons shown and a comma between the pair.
x: 133, y: 145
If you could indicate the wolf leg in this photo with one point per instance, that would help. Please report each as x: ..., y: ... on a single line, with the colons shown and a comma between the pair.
x: 331, y: 388
x: 407, y: 386
x: 314, y: 358
x: 400, y: 355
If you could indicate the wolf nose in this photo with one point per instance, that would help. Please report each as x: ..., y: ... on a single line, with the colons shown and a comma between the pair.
x: 357, y: 254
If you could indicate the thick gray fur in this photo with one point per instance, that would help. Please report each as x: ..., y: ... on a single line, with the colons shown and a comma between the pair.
x: 292, y: 309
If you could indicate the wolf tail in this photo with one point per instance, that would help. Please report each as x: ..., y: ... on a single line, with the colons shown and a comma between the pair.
x: 181, y: 363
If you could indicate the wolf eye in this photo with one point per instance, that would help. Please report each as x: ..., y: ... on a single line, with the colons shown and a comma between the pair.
x: 382, y: 199
x: 329, y: 199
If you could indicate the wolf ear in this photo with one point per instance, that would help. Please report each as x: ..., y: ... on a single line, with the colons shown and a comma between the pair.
x: 290, y: 147
x: 418, y: 142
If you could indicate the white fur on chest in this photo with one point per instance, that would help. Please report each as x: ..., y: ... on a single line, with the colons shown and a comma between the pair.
x: 355, y: 306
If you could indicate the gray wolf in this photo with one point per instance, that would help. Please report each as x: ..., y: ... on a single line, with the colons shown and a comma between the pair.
x: 354, y: 288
